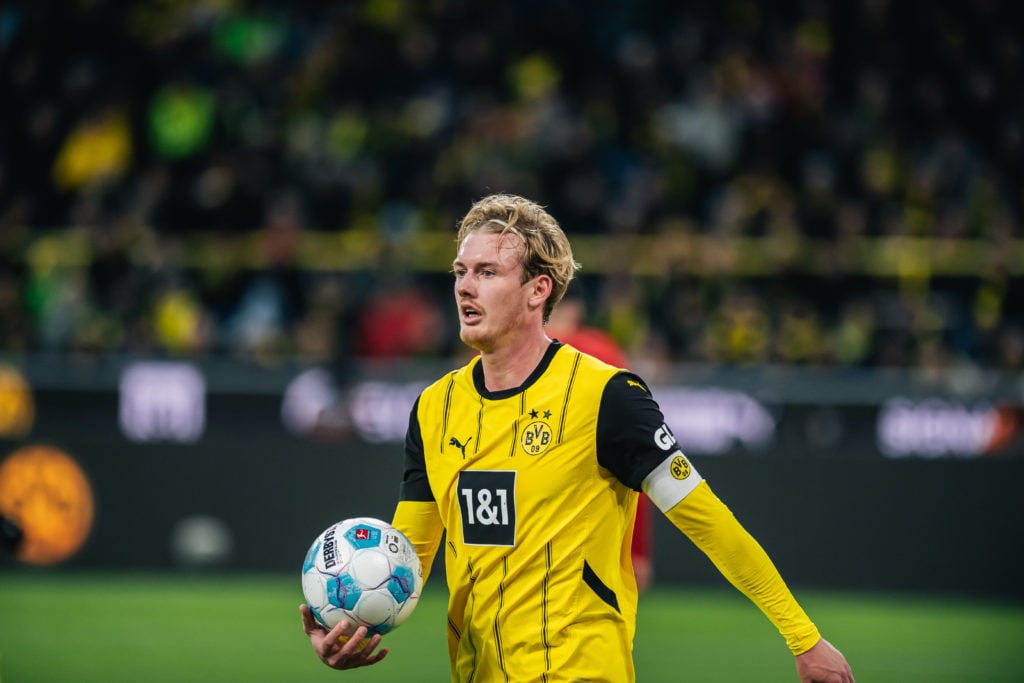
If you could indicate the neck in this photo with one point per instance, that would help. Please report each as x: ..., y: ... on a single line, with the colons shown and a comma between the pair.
x: 509, y: 366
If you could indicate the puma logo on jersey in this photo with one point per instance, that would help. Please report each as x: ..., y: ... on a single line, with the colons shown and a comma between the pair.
x: 462, y: 447
x: 634, y: 383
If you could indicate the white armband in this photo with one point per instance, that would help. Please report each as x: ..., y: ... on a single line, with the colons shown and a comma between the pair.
x: 671, y: 481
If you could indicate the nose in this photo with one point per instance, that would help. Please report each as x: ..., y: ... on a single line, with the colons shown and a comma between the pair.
x: 465, y: 286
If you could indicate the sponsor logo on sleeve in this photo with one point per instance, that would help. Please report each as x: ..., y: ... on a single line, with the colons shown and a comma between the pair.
x: 664, y: 438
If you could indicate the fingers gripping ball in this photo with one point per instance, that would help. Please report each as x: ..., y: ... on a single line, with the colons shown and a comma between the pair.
x: 365, y: 570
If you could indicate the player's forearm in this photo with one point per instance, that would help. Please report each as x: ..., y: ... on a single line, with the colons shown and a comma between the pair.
x: 421, y: 524
x: 743, y: 562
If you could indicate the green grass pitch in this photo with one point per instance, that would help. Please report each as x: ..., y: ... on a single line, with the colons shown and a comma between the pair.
x: 61, y: 626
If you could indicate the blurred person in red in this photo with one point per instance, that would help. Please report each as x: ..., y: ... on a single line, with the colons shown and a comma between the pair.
x: 399, y: 320
x: 568, y: 324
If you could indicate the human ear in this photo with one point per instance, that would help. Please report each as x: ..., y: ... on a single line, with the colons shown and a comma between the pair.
x: 540, y: 290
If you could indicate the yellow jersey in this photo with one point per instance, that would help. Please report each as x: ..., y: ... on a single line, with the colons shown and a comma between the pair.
x: 535, y: 488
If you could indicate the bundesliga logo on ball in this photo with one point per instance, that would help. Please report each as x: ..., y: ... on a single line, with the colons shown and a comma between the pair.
x: 364, y: 570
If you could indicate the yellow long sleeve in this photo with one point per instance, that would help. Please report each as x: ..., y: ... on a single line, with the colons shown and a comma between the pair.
x: 421, y: 523
x: 743, y: 562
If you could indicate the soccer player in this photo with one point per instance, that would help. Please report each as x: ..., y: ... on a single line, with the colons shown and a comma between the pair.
x: 530, y: 458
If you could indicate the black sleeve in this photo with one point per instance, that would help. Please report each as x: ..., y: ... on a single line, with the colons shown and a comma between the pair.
x: 632, y: 437
x: 415, y: 485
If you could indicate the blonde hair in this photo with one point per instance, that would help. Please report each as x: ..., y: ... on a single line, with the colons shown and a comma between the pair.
x: 546, y: 249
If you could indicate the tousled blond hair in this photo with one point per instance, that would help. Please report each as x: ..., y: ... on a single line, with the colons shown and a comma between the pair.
x: 545, y: 247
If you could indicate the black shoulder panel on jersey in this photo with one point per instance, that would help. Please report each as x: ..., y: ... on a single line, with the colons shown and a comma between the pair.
x: 415, y: 485
x: 628, y: 426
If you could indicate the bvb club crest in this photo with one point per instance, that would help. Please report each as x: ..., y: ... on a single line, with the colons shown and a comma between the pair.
x: 537, y: 437
x: 680, y: 467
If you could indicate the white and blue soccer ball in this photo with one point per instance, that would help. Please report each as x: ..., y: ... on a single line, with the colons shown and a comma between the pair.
x: 365, y: 570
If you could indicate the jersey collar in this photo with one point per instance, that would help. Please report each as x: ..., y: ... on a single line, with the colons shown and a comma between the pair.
x: 545, y: 361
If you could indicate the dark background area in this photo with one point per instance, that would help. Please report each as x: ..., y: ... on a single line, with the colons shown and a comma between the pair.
x: 846, y: 519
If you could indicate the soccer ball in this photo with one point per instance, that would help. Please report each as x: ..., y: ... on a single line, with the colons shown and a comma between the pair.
x: 364, y: 570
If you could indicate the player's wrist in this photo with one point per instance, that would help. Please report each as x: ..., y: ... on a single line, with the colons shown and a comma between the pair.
x: 800, y: 643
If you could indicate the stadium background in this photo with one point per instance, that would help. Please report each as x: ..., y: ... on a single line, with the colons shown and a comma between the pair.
x: 226, y: 228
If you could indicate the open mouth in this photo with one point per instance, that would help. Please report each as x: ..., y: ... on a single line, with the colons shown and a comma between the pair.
x: 470, y: 314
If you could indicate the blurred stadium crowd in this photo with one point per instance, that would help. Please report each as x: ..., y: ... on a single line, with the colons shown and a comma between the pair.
x: 152, y: 152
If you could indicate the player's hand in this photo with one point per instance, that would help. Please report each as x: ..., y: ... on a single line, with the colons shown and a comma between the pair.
x: 823, y: 663
x: 344, y: 646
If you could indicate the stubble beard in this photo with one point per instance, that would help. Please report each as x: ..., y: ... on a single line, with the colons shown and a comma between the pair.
x: 474, y: 340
